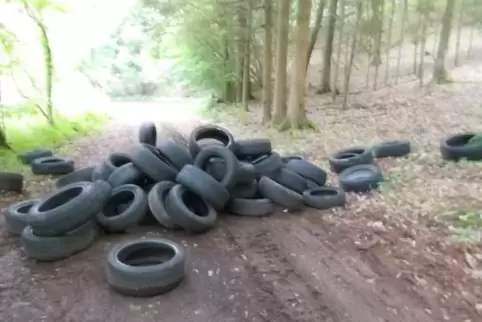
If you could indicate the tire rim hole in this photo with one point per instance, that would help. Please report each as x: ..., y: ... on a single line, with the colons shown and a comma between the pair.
x: 323, y: 192
x: 195, y: 204
x: 146, y: 254
x: 61, y: 198
x: 116, y: 204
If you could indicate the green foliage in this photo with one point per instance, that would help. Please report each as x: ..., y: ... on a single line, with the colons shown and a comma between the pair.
x: 30, y: 131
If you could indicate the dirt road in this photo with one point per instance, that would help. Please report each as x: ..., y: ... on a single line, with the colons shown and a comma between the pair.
x: 289, y: 267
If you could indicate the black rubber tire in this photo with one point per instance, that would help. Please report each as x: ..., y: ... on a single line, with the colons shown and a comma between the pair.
x: 288, y: 158
x: 350, y: 182
x: 252, y: 148
x: 52, y: 165
x: 156, y: 200
x: 280, y: 195
x: 158, y: 268
x: 250, y: 207
x: 113, y: 220
x: 109, y: 164
x: 152, y: 163
x: 347, y: 158
x: 10, y: 181
x: 394, y: 149
x: 204, y: 185
x: 308, y: 171
x: 126, y: 174
x: 148, y: 133
x: 217, y: 169
x: 58, y: 247
x: 84, y: 174
x: 210, y: 131
x: 455, y: 148
x: 268, y: 165
x: 311, y: 184
x: 245, y: 191
x: 290, y: 180
x: 68, y: 208
x: 27, y: 157
x: 177, y: 154
x: 324, y: 197
x: 16, y: 216
x: 189, y: 210
x: 231, y: 164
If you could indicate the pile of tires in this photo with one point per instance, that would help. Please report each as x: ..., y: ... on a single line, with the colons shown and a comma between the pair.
x: 178, y: 188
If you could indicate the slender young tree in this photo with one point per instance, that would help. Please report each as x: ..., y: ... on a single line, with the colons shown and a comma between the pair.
x: 339, y: 48
x: 267, y: 61
x: 440, y: 71
x: 402, y: 38
x: 328, y: 50
x: 316, y: 29
x: 247, y: 55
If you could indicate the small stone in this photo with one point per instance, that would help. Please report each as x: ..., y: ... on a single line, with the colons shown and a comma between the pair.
x: 471, y: 261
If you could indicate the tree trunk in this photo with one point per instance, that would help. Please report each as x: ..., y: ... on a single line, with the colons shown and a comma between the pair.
x: 402, y: 39
x: 423, y: 41
x: 389, y: 40
x: 316, y: 30
x: 279, y: 98
x: 247, y: 54
x: 49, y: 71
x: 267, y: 61
x: 296, y: 110
x: 338, y: 49
x: 471, y: 41
x: 240, y: 42
x: 459, y: 33
x: 377, y: 8
x: 439, y: 71
x: 328, y: 50
x: 352, y: 54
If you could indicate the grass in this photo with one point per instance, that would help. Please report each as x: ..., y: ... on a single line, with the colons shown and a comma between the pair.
x: 26, y: 131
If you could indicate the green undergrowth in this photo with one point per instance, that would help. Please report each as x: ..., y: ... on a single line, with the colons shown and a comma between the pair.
x: 466, y: 226
x: 32, y: 131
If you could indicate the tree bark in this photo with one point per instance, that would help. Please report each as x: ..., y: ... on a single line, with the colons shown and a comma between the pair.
x: 247, y: 56
x: 402, y: 39
x: 296, y: 110
x: 440, y: 71
x: 346, y: 89
x: 459, y: 32
x: 338, y: 49
x: 423, y: 42
x: 267, y: 61
x: 328, y: 50
x: 389, y: 40
x: 377, y: 20
x: 279, y: 98
x: 240, y: 41
x: 316, y: 30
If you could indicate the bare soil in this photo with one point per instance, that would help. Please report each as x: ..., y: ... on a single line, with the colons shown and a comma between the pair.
x: 384, y: 257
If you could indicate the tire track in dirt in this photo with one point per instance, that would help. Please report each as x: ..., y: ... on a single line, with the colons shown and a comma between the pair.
x: 291, y: 260
x: 278, y: 279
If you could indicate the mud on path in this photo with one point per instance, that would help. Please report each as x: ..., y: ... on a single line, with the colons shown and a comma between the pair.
x: 289, y: 267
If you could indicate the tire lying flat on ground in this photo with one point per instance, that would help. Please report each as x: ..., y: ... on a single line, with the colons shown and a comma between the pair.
x: 156, y: 200
x: 290, y: 180
x: 394, y: 149
x: 203, y: 185
x: 148, y: 133
x: 458, y: 147
x: 126, y: 174
x: 268, y: 165
x: 361, y: 178
x: 245, y: 191
x: 324, y: 197
x: 10, y: 181
x: 27, y: 157
x: 189, y: 210
x: 210, y: 131
x: 16, y: 216
x: 146, y: 267
x: 280, y: 195
x: 67, y: 208
x: 250, y: 207
x: 52, y: 165
x: 112, y: 218
x: 347, y: 158
x: 58, y: 247
x: 84, y: 174
x: 307, y: 170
